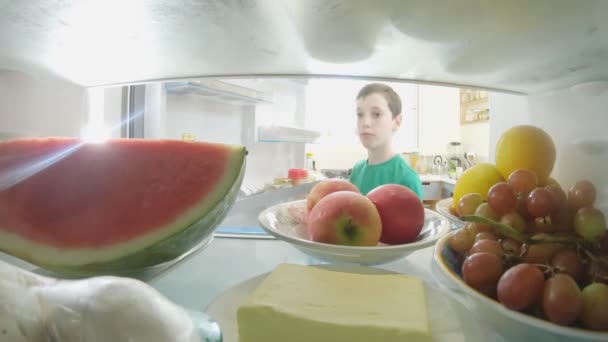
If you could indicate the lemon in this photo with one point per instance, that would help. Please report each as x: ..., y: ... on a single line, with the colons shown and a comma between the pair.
x: 479, y: 178
x: 525, y: 147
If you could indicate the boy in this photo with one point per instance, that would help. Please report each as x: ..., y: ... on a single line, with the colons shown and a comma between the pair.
x: 378, y: 118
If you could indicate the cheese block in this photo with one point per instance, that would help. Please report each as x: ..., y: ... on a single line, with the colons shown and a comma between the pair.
x: 302, y: 304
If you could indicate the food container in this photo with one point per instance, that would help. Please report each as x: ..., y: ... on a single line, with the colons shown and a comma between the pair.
x: 411, y: 158
x: 297, y: 176
x: 278, y: 183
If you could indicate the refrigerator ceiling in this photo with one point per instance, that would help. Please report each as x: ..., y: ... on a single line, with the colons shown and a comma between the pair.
x: 512, y: 45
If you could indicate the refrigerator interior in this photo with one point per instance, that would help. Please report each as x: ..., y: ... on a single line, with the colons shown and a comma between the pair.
x: 545, y: 62
x: 99, y: 69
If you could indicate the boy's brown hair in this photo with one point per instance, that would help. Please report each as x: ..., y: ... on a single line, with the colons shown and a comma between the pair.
x: 392, y: 99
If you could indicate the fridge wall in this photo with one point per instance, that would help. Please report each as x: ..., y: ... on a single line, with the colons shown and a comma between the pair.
x: 49, y: 106
x: 35, y: 106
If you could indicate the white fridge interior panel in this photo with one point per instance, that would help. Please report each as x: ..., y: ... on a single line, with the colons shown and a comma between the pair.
x: 577, y: 123
x: 40, y: 106
x: 513, y: 45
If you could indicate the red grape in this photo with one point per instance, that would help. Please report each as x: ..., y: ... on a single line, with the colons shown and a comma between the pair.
x: 485, y: 236
x: 453, y: 211
x: 595, y: 306
x: 542, y: 225
x: 521, y: 287
x: 563, y: 219
x: 541, y: 253
x: 590, y: 224
x: 569, y: 262
x: 514, y: 220
x: 462, y: 240
x: 481, y: 271
x: 523, y: 181
x: 562, y: 299
x: 604, y: 245
x: 484, y: 210
x: 539, y: 202
x: 582, y: 194
x: 558, y: 196
x: 469, y: 203
x: 472, y: 228
x: 511, y: 246
x: 596, y: 272
x: 501, y: 198
x: 522, y: 206
x: 488, y: 246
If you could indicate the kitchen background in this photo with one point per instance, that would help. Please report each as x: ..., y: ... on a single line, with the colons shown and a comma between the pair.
x: 281, y: 120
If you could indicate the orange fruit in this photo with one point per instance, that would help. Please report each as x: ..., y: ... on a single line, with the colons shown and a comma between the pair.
x: 525, y: 147
x: 479, y: 178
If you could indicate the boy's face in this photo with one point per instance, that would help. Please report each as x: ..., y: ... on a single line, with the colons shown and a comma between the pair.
x: 375, y: 122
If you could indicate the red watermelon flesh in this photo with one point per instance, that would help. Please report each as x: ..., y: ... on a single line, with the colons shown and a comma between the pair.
x: 66, y: 202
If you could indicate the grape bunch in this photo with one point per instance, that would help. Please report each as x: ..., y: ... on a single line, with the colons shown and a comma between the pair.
x: 537, y: 249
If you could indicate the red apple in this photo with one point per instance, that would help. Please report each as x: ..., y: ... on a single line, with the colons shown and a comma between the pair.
x: 325, y: 188
x: 345, y: 218
x: 401, y: 211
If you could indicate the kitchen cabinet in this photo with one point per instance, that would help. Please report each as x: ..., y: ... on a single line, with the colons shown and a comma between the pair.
x: 431, y: 190
x: 474, y: 106
x: 447, y: 189
x: 436, y: 187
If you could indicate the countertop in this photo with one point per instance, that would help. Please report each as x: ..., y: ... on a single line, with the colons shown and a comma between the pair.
x: 424, y: 177
x: 427, y: 177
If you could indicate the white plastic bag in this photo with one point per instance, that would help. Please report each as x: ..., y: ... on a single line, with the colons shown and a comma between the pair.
x: 99, y: 309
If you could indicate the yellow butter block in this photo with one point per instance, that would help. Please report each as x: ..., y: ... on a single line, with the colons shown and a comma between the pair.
x: 304, y: 304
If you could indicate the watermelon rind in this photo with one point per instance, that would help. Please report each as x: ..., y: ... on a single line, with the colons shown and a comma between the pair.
x: 164, y: 254
x: 189, y: 234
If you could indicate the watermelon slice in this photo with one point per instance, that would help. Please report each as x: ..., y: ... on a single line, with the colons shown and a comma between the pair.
x: 87, y: 208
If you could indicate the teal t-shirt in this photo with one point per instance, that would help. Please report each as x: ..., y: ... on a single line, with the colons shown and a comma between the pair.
x: 393, y: 171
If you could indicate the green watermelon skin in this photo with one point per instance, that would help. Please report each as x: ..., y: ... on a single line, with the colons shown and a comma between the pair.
x: 185, y: 235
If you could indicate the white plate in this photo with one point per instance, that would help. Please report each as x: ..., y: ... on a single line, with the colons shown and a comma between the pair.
x: 287, y: 221
x: 443, y: 207
x: 450, y: 320
x: 512, y: 325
